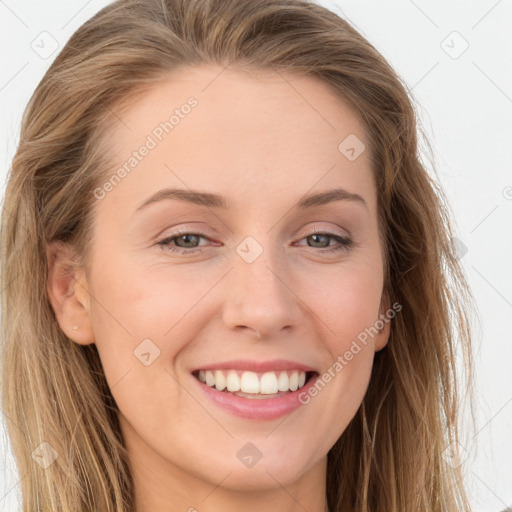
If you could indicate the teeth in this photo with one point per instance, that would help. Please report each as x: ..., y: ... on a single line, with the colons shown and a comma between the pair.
x: 283, y: 384
x: 249, y: 383
x: 210, y: 379
x: 267, y: 383
x: 294, y: 381
x: 220, y: 380
x: 233, y: 381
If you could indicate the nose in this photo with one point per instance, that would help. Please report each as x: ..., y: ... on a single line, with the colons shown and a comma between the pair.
x: 260, y: 296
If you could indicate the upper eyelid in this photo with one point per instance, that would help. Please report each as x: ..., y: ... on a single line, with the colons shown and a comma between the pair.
x: 306, y: 232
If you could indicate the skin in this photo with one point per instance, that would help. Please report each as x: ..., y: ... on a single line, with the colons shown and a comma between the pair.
x: 263, y: 140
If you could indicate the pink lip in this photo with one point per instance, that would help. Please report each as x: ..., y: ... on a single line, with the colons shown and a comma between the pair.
x: 257, y: 366
x: 257, y: 409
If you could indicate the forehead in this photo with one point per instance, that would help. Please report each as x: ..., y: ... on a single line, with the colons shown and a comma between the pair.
x: 209, y: 126
x: 239, y: 99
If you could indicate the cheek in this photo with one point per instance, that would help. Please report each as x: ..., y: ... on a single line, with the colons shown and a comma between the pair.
x: 137, y: 309
x: 138, y: 301
x: 350, y: 304
x: 138, y: 322
x: 348, y: 310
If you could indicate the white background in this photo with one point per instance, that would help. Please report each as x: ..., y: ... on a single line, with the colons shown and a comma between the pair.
x: 465, y: 102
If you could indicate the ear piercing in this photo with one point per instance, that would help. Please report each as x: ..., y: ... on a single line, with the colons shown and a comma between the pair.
x: 75, y: 327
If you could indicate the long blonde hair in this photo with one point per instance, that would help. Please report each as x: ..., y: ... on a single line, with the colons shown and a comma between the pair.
x: 391, y: 457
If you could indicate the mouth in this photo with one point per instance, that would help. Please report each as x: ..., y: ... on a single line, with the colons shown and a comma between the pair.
x: 256, y: 390
x: 255, y: 385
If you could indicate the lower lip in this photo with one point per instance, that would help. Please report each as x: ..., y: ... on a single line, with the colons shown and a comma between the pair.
x: 257, y: 408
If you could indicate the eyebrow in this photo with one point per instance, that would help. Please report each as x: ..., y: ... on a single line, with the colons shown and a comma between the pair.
x: 216, y: 201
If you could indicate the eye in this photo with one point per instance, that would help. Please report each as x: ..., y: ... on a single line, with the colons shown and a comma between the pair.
x: 319, y: 238
x: 189, y: 238
x: 191, y: 241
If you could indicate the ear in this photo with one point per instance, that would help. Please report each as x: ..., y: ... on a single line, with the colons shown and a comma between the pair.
x: 382, y: 338
x: 68, y: 292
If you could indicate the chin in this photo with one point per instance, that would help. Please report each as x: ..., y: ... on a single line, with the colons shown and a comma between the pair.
x: 274, y: 472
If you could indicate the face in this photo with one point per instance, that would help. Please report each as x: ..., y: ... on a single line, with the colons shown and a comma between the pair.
x: 267, y: 283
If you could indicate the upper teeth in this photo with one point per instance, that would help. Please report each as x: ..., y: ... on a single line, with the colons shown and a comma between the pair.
x: 251, y: 382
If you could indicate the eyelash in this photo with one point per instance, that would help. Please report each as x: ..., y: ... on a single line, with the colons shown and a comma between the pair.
x: 345, y: 242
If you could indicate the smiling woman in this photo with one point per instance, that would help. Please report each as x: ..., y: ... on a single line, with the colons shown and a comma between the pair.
x: 227, y: 281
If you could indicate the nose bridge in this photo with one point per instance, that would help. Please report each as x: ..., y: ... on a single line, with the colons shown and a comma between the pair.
x: 260, y: 293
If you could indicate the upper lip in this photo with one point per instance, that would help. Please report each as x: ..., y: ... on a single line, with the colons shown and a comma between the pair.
x: 257, y: 366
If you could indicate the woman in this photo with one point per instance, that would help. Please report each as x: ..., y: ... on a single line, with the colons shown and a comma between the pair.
x: 185, y: 344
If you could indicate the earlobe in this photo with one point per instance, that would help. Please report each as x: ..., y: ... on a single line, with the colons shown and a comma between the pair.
x: 382, y: 338
x: 68, y: 293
